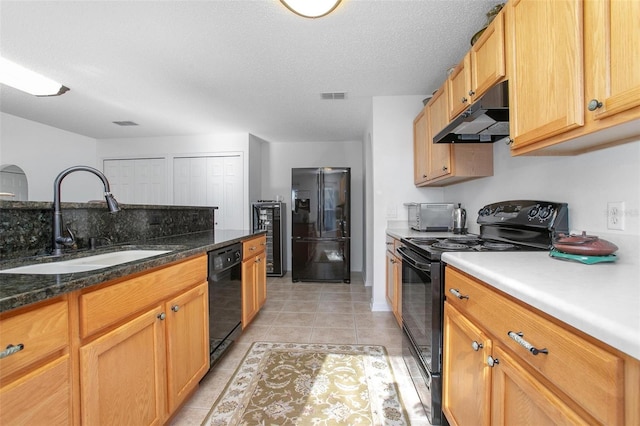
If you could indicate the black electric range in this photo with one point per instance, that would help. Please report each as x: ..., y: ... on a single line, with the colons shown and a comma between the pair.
x: 519, y: 225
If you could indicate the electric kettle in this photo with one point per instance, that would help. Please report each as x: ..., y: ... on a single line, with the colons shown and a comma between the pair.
x: 459, y: 220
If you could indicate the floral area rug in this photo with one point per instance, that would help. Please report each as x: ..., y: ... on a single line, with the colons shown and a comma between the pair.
x: 310, y: 384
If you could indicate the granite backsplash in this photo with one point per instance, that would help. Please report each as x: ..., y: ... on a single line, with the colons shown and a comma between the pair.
x: 26, y: 227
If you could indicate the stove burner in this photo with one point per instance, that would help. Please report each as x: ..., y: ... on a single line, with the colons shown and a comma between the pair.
x: 463, y: 239
x: 497, y: 246
x: 424, y: 241
x: 445, y: 245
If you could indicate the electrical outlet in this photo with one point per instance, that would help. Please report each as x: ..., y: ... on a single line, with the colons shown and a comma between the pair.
x: 615, y: 215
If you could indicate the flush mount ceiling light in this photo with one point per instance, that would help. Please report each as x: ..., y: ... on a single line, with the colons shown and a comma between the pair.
x: 311, y: 8
x: 28, y: 81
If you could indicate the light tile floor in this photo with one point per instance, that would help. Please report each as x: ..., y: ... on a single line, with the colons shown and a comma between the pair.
x: 310, y: 313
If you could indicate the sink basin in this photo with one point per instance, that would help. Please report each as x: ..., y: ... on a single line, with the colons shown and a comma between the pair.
x: 84, y: 264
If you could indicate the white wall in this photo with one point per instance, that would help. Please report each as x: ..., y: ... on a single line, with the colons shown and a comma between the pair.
x: 278, y: 160
x: 586, y: 182
x: 390, y: 179
x: 175, y: 146
x: 43, y: 152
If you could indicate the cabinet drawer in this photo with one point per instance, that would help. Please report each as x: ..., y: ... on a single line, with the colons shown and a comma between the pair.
x: 589, y: 374
x: 111, y: 304
x: 42, y: 329
x: 392, y: 244
x: 253, y: 246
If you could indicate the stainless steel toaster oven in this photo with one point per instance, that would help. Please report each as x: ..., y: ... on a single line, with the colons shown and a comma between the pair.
x: 430, y: 216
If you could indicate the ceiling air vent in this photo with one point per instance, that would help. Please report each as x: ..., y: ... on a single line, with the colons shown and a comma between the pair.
x: 125, y: 123
x: 333, y: 95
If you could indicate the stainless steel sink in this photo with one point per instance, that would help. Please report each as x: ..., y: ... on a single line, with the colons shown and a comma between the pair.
x: 83, y: 264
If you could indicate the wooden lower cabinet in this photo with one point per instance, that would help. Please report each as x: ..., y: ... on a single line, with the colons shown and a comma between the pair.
x: 42, y: 396
x: 187, y: 344
x: 139, y: 367
x: 394, y: 279
x: 121, y: 374
x: 254, y: 278
x: 493, y: 376
x: 35, y: 381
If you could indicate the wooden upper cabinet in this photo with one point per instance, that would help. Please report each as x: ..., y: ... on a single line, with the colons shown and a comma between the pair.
x: 574, y: 87
x: 459, y: 87
x: 420, y: 159
x: 439, y: 163
x: 612, y: 33
x: 545, y: 69
x: 482, y: 67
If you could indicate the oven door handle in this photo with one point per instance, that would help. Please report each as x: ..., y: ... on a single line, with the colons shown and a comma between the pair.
x: 422, y: 266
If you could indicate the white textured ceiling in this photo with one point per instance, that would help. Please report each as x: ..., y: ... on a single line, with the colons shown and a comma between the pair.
x: 198, y: 67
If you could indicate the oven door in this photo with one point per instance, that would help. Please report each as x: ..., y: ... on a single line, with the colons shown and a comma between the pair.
x: 422, y: 307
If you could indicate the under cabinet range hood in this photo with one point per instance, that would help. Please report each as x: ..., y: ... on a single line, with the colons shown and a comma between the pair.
x: 486, y: 120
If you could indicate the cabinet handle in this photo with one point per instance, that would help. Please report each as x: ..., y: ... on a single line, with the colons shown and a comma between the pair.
x: 162, y: 316
x: 457, y: 294
x: 476, y: 346
x: 517, y: 337
x: 258, y: 260
x: 11, y: 349
x: 389, y: 243
x: 252, y: 248
x: 508, y: 142
x: 594, y: 104
x: 175, y: 308
x: 471, y: 93
x: 445, y: 168
x: 491, y: 361
x: 392, y: 261
x: 424, y: 176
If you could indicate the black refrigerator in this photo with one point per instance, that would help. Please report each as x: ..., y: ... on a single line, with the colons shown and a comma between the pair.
x: 320, y: 224
x: 269, y: 216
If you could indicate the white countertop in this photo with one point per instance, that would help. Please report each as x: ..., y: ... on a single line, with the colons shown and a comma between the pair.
x: 602, y: 300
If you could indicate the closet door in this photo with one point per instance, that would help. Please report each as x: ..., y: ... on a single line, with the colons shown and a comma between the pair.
x: 137, y: 181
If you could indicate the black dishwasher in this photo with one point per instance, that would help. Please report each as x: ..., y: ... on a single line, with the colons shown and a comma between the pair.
x: 225, y: 299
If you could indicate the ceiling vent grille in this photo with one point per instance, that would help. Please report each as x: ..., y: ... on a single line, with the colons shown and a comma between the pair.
x: 125, y: 123
x: 333, y: 95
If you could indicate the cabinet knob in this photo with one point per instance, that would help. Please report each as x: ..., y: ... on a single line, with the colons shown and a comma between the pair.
x: 463, y: 100
x: 162, y: 316
x: 508, y: 142
x: 175, y: 308
x: 594, y: 104
x: 471, y: 93
x: 252, y: 248
x: 445, y: 168
x: 476, y: 346
x: 424, y: 176
x: 393, y: 261
x: 491, y: 361
x: 11, y: 349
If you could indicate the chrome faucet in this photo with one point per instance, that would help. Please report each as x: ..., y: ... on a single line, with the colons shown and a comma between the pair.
x: 59, y: 242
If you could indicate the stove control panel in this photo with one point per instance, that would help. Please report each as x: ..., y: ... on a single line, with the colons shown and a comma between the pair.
x: 544, y: 214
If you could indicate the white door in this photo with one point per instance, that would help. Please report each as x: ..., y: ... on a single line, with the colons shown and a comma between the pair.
x: 137, y: 181
x: 212, y: 181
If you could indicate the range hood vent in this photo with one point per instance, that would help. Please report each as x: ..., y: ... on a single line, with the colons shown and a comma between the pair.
x: 485, y: 121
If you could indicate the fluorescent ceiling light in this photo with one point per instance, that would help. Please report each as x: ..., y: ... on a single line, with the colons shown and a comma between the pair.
x: 28, y: 81
x: 311, y: 8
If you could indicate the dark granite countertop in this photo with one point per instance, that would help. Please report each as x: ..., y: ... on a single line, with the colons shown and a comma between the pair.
x: 18, y: 290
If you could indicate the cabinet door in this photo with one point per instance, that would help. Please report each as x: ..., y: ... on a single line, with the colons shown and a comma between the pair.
x: 466, y: 376
x: 397, y: 285
x: 261, y: 279
x: 458, y: 87
x: 487, y: 58
x: 439, y: 154
x: 40, y: 397
x: 518, y: 398
x: 545, y: 81
x: 122, y: 374
x: 420, y: 153
x: 613, y: 31
x: 249, y: 303
x: 187, y: 343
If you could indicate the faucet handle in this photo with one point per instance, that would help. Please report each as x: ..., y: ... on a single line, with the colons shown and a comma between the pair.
x: 67, y: 241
